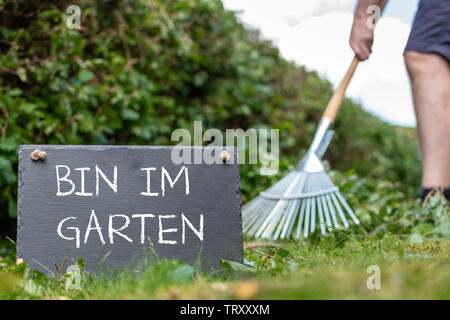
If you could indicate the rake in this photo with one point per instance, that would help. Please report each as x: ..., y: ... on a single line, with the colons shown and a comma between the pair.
x: 305, y: 199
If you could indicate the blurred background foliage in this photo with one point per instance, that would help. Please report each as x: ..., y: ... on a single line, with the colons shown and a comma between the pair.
x: 139, y: 69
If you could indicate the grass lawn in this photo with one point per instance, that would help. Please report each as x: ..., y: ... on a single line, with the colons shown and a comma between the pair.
x: 409, y: 243
x: 324, y: 270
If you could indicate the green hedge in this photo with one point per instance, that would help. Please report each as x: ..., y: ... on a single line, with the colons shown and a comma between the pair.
x: 137, y: 70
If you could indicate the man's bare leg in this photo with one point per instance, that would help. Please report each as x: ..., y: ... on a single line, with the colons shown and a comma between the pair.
x: 430, y: 83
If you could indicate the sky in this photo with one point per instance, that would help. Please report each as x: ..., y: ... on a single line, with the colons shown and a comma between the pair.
x: 315, y: 34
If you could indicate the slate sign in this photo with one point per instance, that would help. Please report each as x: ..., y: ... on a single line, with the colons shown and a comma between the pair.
x: 92, y: 202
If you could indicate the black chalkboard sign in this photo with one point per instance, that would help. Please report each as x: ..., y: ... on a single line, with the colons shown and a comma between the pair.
x: 93, y: 202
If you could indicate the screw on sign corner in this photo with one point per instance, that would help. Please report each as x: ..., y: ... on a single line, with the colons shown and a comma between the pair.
x: 225, y: 156
x: 37, y: 155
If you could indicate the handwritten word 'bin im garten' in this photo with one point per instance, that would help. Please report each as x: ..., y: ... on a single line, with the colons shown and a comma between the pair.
x: 118, y: 223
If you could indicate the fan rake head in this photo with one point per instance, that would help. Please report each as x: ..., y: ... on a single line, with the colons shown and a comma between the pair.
x: 303, y: 201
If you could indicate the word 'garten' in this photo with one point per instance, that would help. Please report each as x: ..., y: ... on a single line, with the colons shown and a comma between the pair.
x: 118, y: 222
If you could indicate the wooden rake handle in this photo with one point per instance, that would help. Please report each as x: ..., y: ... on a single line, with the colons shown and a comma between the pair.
x: 338, y: 96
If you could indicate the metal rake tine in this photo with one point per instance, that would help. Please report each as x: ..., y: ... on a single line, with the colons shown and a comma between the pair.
x: 300, y: 220
x: 284, y: 216
x: 306, y: 227
x: 313, y: 211
x: 291, y: 224
x: 333, y: 213
x: 251, y: 208
x: 327, y: 214
x: 260, y: 220
x: 321, y: 221
x: 327, y: 185
x: 281, y: 185
x: 256, y: 222
x: 276, y: 208
x: 252, y: 204
x: 290, y: 208
x: 339, y: 210
x: 349, y: 210
x: 253, y: 218
x: 274, y: 220
x: 290, y: 216
x: 266, y: 231
x: 307, y: 211
x: 294, y: 213
x: 264, y: 222
x: 307, y: 218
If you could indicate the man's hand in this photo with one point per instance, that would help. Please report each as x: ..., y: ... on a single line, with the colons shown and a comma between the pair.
x: 361, y: 38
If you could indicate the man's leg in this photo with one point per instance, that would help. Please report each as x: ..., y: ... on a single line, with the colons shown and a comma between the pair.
x: 430, y: 83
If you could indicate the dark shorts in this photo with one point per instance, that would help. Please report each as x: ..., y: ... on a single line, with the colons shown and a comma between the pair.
x: 430, y: 32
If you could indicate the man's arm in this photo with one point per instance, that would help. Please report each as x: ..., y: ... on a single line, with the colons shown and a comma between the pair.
x: 361, y: 36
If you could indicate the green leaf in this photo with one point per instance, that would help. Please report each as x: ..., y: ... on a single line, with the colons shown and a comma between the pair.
x: 415, y: 238
x: 12, y: 208
x: 86, y: 122
x: 183, y: 273
x: 32, y: 288
x: 85, y: 75
x: 27, y: 107
x: 22, y: 73
x: 236, y: 266
x: 39, y: 276
x: 129, y: 114
x: 15, y: 92
x: 444, y: 228
x: 6, y: 170
x: 80, y: 262
x: 283, y: 252
x: 8, y: 144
